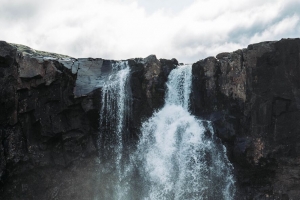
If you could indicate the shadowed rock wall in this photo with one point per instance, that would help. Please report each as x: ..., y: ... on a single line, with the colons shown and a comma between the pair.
x: 252, y: 95
x: 49, y: 119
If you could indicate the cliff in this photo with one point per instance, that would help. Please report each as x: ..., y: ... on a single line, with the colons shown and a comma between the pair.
x: 49, y: 119
x: 252, y: 95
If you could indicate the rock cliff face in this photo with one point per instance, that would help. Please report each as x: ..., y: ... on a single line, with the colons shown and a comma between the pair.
x: 49, y: 119
x: 252, y: 96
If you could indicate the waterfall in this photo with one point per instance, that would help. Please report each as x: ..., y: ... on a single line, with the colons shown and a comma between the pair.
x: 115, y: 109
x: 115, y: 102
x: 179, y: 157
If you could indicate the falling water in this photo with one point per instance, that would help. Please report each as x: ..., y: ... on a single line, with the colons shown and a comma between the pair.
x: 113, y: 115
x: 179, y: 157
x: 115, y: 103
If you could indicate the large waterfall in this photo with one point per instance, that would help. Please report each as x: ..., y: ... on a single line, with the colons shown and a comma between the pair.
x: 180, y: 157
x: 177, y: 156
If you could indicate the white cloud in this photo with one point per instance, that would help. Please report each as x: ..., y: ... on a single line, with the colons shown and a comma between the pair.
x: 121, y: 29
x: 284, y: 28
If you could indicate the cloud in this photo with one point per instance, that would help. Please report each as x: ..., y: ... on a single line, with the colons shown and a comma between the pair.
x: 287, y: 26
x: 121, y: 29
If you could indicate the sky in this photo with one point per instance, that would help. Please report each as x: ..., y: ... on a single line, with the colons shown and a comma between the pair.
x: 188, y: 30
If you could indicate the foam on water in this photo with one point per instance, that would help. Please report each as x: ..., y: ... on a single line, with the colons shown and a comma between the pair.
x: 179, y: 155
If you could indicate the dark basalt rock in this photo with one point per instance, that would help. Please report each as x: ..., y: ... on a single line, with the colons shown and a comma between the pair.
x: 252, y: 96
x: 45, y: 132
x: 49, y: 119
x: 148, y: 78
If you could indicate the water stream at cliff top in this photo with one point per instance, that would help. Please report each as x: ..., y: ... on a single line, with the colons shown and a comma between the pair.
x: 177, y: 156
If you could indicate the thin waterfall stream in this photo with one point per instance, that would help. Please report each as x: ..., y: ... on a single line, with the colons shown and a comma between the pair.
x: 177, y: 156
x: 113, y: 115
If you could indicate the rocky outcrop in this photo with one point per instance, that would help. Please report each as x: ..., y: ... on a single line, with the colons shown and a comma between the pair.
x: 49, y: 119
x: 148, y: 78
x: 44, y: 129
x: 252, y: 96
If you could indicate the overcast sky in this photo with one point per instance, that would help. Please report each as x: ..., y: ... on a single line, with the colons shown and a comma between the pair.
x: 188, y: 30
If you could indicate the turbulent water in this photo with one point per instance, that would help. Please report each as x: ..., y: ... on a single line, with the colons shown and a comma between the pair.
x: 177, y: 156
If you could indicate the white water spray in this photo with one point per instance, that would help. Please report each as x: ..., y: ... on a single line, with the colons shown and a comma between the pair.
x: 114, y: 103
x: 179, y: 157
x: 113, y: 115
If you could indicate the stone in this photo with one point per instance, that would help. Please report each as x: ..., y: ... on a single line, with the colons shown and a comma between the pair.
x: 89, y: 73
x: 254, y: 93
x: 50, y: 103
